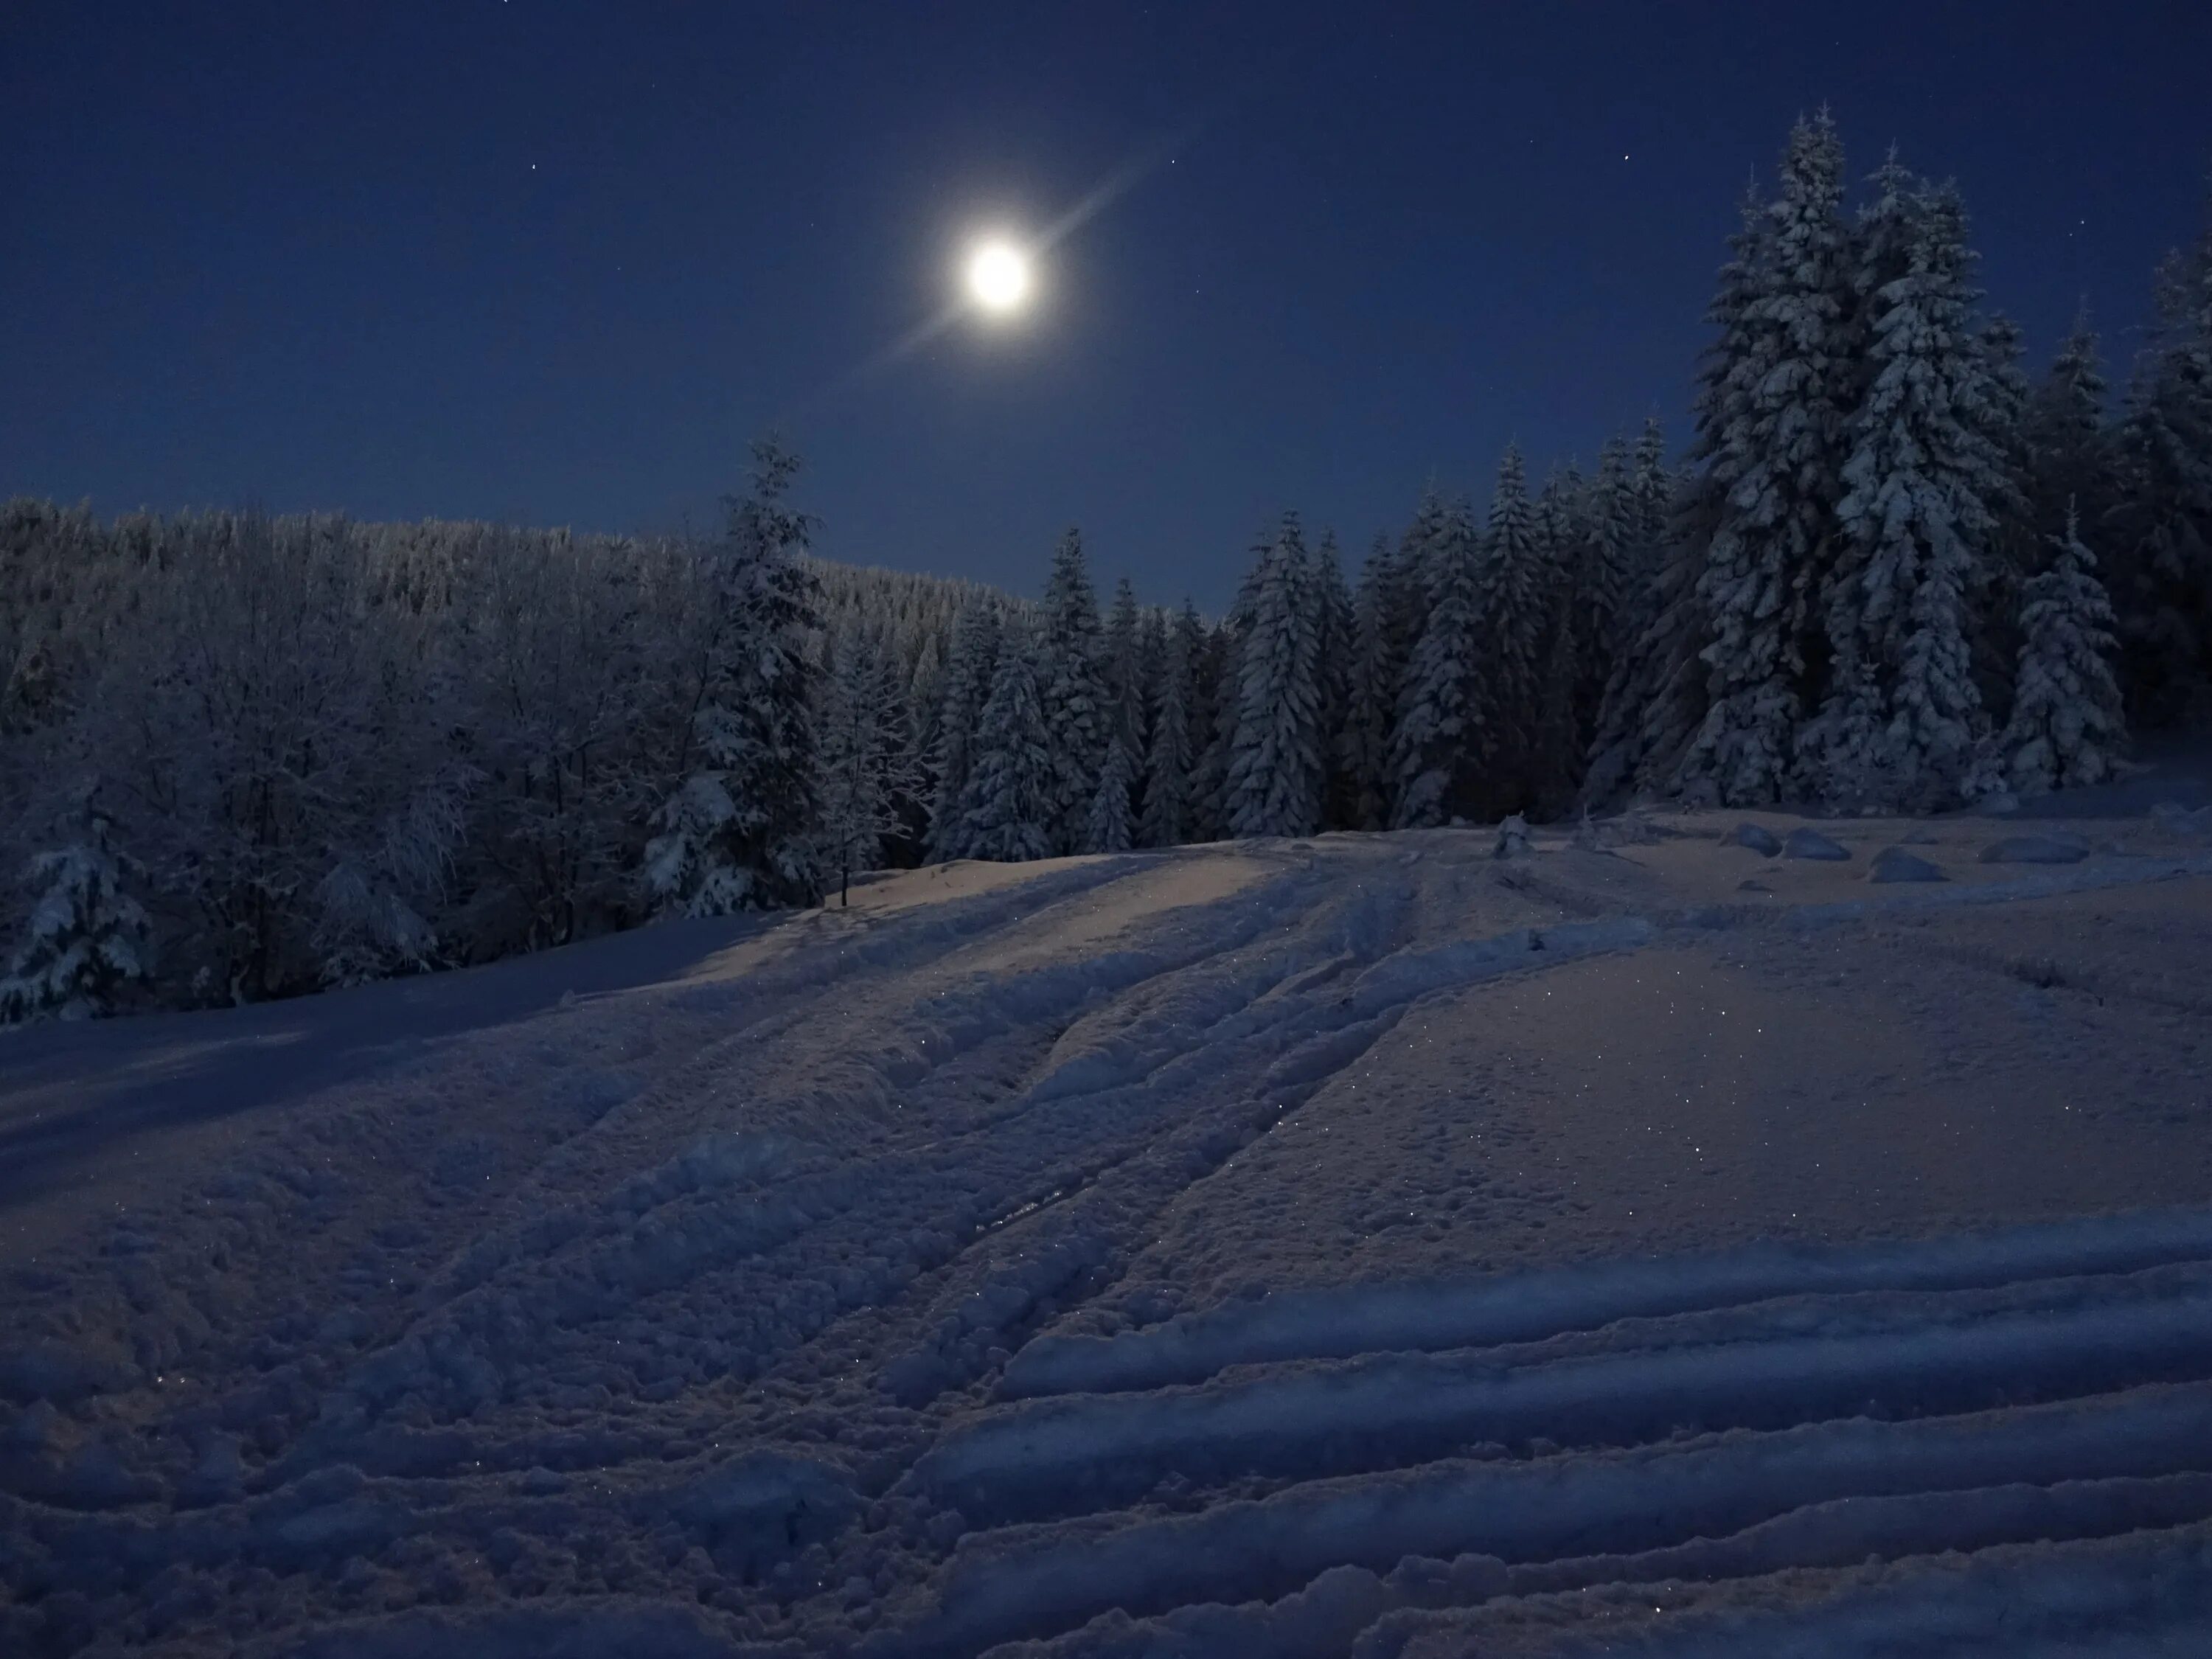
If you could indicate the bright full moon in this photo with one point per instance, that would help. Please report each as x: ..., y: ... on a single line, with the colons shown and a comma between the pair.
x: 997, y: 277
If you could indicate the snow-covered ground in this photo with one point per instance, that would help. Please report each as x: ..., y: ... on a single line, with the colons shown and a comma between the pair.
x: 1362, y: 1246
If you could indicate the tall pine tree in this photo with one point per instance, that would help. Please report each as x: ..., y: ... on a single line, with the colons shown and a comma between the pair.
x: 2160, y: 530
x: 968, y: 680
x: 1772, y: 440
x: 1921, y: 475
x: 1517, y: 611
x: 1013, y: 788
x: 2068, y: 727
x: 1168, y: 819
x: 738, y: 832
x: 1277, y: 756
x: 1436, y: 742
x: 1078, y: 716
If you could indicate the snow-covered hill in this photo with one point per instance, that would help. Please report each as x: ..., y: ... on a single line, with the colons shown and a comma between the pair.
x: 1362, y: 1246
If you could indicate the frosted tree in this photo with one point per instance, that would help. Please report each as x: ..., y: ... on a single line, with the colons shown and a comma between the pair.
x: 1566, y: 563
x: 1013, y: 790
x: 1772, y: 440
x: 87, y: 941
x: 1384, y: 626
x: 2067, y: 727
x: 1839, y: 749
x: 1655, y: 682
x: 1108, y: 827
x: 1167, y: 820
x: 1921, y: 475
x: 2070, y: 450
x: 1220, y: 680
x: 864, y: 769
x: 1123, y: 667
x: 1335, y: 636
x: 738, y: 832
x: 1278, y: 756
x: 1436, y: 743
x: 1517, y: 605
x: 2160, y: 531
x: 1078, y: 717
x: 1601, y: 580
x: 968, y: 679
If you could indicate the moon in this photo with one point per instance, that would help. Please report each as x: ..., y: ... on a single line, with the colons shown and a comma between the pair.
x: 999, y: 276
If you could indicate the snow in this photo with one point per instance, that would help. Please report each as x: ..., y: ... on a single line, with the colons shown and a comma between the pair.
x: 1353, y: 1245
x: 1894, y: 864
x: 1756, y: 837
x: 2033, y: 849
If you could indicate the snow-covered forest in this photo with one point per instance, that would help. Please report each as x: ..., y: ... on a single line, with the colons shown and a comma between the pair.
x: 244, y: 755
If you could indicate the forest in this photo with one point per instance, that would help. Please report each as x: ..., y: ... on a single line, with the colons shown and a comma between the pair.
x: 247, y: 755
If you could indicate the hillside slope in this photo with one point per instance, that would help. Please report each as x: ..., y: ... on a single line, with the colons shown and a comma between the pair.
x: 1367, y: 1245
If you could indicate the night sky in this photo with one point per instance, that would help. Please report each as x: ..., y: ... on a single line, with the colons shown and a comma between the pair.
x: 557, y: 263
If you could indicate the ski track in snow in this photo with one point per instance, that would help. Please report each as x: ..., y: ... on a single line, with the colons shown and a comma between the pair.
x: 822, y: 1300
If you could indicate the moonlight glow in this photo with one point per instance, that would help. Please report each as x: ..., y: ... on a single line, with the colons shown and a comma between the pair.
x: 997, y: 277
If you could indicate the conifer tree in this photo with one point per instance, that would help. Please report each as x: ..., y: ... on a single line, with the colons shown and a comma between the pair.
x: 2068, y: 727
x: 1012, y: 789
x: 1773, y: 442
x: 1436, y: 747
x: 968, y: 682
x: 738, y: 832
x: 1123, y: 666
x: 1921, y: 475
x: 1073, y: 693
x: 2070, y: 452
x: 87, y: 941
x: 2160, y: 530
x: 1107, y: 828
x: 865, y: 772
x: 1277, y: 756
x: 1383, y: 630
x: 1600, y: 578
x: 1565, y: 557
x: 1335, y: 644
x: 1518, y: 603
x: 1167, y: 820
x: 1654, y: 681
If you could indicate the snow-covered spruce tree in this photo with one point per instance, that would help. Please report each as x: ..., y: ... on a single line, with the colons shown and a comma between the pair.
x: 1436, y: 748
x: 1123, y: 666
x: 1517, y: 605
x: 2159, y: 532
x: 2015, y: 555
x: 1923, y: 473
x: 1007, y: 809
x: 1382, y: 642
x: 968, y: 680
x: 1220, y: 681
x: 2070, y: 450
x: 1837, y: 756
x: 1073, y: 693
x: 86, y: 940
x: 1335, y: 636
x: 738, y: 833
x: 2068, y: 727
x: 1654, y: 681
x: 863, y: 770
x: 1108, y: 828
x: 1166, y: 813
x: 1565, y: 558
x: 1601, y: 579
x: 1277, y: 757
x: 1772, y: 442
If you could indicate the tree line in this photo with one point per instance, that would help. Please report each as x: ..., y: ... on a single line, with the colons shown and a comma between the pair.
x: 249, y: 755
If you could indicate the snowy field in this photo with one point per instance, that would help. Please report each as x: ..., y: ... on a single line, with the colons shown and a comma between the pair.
x: 1362, y: 1246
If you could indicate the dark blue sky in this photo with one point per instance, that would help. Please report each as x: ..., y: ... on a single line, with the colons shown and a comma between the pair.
x: 558, y: 262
